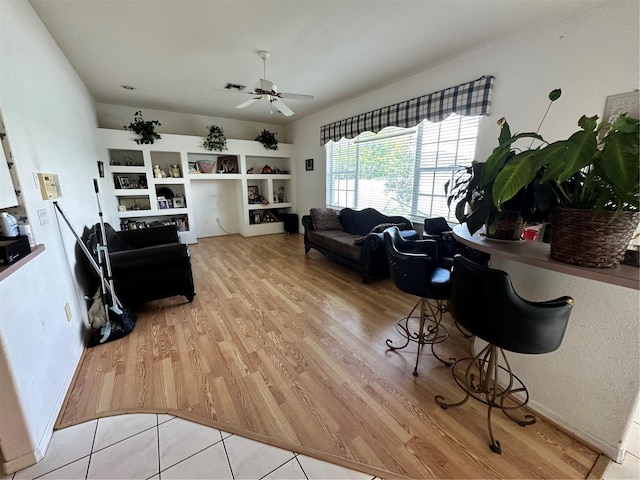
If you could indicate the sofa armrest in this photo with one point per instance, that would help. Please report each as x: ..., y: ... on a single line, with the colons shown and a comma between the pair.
x: 307, y: 223
x: 148, y: 237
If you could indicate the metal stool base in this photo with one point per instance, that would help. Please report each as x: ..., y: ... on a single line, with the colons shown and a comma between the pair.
x: 430, y: 330
x: 479, y: 378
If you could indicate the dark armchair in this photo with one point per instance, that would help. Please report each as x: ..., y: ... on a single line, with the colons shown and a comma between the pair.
x: 438, y: 229
x: 148, y: 264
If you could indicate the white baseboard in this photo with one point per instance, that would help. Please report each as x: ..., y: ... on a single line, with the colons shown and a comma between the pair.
x: 614, y: 452
x: 31, y: 458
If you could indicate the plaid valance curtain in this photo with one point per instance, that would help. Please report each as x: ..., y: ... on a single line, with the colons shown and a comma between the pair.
x: 472, y: 98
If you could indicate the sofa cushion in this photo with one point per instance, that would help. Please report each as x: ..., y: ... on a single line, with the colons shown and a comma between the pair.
x: 325, y: 219
x: 338, y: 242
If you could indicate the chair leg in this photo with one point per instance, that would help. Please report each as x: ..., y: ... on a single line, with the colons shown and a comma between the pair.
x: 479, y: 377
x: 430, y: 330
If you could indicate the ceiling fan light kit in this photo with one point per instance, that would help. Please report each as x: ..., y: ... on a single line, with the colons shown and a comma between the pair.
x: 266, y: 90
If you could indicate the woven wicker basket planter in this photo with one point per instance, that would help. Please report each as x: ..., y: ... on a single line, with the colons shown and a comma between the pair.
x: 580, y: 239
x: 509, y: 226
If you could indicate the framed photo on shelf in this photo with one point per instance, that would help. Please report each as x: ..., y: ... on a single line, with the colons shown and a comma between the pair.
x: 193, y: 167
x: 227, y: 164
x: 123, y: 182
x: 308, y: 164
x: 253, y: 194
x: 178, y: 202
x: 163, y: 203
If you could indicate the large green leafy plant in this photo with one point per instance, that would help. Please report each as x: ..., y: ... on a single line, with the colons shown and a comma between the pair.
x: 596, y: 168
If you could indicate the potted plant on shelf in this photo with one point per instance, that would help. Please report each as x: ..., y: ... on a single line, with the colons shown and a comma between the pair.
x: 215, y: 139
x: 268, y: 140
x: 595, y: 179
x: 472, y: 192
x: 146, y: 129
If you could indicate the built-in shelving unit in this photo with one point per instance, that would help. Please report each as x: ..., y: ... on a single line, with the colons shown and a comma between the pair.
x: 175, y: 180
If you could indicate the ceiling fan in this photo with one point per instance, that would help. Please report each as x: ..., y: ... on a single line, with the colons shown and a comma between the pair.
x: 267, y: 90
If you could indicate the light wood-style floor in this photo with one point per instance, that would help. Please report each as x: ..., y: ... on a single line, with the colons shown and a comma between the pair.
x: 289, y: 349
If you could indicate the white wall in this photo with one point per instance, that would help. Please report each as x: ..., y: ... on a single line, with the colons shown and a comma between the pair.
x: 590, y: 55
x: 51, y: 125
x: 117, y: 116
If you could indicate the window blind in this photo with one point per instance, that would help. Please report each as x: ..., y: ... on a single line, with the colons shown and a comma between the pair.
x: 401, y: 171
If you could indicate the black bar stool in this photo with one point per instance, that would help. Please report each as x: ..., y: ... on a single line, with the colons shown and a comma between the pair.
x: 415, y: 269
x: 484, y: 302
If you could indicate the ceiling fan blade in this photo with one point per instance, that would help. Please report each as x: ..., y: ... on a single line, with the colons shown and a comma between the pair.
x: 286, y: 111
x: 296, y: 96
x: 248, y: 102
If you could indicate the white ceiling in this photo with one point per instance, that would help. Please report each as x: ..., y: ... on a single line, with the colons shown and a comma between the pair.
x: 180, y: 53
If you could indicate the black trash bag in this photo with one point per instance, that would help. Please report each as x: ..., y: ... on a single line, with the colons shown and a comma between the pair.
x: 118, y: 326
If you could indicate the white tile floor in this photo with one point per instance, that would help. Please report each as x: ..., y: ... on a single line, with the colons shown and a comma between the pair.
x: 162, y: 447
x: 157, y: 447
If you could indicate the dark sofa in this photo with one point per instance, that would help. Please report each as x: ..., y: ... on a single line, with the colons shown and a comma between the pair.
x: 147, y: 264
x: 354, y: 238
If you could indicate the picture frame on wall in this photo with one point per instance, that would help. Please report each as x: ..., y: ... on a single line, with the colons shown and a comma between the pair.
x: 308, y: 164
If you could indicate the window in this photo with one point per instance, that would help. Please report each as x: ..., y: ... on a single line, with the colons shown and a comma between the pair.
x: 401, y: 171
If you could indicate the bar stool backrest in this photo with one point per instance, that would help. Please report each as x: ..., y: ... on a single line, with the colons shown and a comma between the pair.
x: 484, y: 302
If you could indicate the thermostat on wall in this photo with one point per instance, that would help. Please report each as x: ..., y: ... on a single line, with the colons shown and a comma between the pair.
x: 49, y: 186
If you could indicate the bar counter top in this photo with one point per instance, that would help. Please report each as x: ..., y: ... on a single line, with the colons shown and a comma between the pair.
x: 537, y: 254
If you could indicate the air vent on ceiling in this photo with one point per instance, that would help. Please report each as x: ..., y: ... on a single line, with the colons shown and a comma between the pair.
x: 234, y: 86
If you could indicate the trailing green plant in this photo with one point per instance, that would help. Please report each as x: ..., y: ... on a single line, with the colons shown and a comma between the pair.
x: 268, y: 140
x: 215, y: 139
x: 596, y: 168
x: 146, y: 129
x: 472, y: 191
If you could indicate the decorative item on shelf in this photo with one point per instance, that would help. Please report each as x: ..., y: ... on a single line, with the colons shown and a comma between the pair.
x: 215, y: 139
x: 256, y: 217
x: 250, y: 171
x: 228, y: 164
x: 268, y: 140
x: 253, y: 194
x: 142, y: 181
x: 163, y: 203
x: 270, y: 217
x: 281, y: 196
x: 178, y: 201
x: 122, y: 208
x: 193, y: 167
x: 264, y: 201
x: 594, y: 188
x: 123, y: 182
x: 175, y: 171
x: 158, y: 172
x: 146, y: 129
x: 266, y: 169
x: 165, y: 192
x: 206, y: 166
